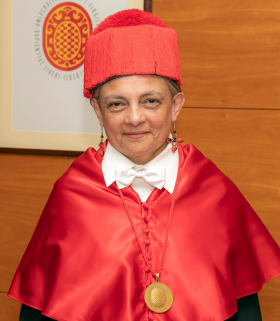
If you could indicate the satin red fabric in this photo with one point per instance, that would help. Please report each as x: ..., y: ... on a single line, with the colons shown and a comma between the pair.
x: 83, y: 262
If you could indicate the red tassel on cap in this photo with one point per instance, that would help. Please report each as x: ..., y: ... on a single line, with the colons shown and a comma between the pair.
x: 130, y: 42
x: 128, y: 18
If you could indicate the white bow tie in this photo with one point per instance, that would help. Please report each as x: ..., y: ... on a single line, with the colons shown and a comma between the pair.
x: 155, y: 176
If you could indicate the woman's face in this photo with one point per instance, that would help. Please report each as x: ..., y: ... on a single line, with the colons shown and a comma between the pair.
x: 137, y: 113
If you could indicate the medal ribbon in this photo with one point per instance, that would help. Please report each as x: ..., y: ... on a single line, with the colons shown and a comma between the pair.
x: 167, y: 227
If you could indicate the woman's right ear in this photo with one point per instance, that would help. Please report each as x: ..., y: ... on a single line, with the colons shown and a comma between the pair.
x: 97, y: 108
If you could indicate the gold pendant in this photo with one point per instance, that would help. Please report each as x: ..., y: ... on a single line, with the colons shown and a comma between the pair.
x: 158, y: 297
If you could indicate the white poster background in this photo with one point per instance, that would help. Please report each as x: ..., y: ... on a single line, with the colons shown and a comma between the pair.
x: 41, y: 102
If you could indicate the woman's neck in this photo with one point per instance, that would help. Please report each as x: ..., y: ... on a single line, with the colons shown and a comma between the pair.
x: 144, y: 159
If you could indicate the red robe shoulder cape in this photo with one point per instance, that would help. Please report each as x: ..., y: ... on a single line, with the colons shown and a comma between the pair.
x: 83, y: 262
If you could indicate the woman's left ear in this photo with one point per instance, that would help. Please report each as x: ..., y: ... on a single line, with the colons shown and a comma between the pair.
x: 177, y: 104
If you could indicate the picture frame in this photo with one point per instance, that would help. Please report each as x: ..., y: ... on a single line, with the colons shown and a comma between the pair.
x: 35, y: 142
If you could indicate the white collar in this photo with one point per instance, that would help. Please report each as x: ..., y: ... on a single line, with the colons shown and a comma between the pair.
x: 166, y: 158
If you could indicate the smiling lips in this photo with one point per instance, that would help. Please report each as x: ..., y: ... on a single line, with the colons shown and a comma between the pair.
x: 136, y: 135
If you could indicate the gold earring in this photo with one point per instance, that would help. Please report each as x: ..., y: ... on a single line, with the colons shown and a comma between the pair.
x: 174, y: 140
x: 101, y: 143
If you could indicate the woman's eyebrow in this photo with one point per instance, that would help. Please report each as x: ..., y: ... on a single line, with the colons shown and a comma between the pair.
x: 149, y: 93
x: 114, y: 97
x: 152, y: 92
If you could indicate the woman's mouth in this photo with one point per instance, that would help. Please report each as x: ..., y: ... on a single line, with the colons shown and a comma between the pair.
x: 136, y: 135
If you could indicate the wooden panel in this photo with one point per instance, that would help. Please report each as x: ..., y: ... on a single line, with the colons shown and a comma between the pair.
x: 269, y: 298
x: 9, y: 308
x: 25, y: 184
x: 229, y: 51
x: 245, y: 145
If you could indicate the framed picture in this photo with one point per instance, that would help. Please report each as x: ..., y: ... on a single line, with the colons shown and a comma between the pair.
x: 42, y: 52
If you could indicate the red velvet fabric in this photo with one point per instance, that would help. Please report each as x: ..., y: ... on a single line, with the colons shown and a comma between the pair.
x: 130, y: 42
x: 83, y: 262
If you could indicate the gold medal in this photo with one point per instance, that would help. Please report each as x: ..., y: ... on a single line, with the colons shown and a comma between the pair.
x: 158, y: 297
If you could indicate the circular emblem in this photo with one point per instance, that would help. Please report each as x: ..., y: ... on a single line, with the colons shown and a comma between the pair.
x: 65, y: 31
x: 158, y: 297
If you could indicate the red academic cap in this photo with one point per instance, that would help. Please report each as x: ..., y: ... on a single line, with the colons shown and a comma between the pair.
x: 130, y: 42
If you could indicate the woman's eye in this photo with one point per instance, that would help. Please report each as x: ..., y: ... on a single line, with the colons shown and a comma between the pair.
x: 152, y: 101
x: 117, y: 106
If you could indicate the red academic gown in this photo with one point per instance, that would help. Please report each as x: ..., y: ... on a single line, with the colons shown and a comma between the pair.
x: 83, y: 262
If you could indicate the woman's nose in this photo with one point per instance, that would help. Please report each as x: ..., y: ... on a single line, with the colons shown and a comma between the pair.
x: 135, y: 116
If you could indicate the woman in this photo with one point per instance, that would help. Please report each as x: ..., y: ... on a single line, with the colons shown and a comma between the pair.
x: 143, y: 229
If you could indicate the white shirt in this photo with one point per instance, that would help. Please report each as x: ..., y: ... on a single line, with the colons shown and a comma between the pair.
x: 166, y: 158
